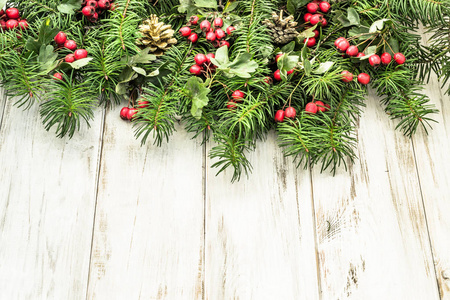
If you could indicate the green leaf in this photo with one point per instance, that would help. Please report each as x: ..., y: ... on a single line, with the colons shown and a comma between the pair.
x: 288, y: 48
x: 393, y: 43
x: 242, y: 66
x: 306, y: 34
x: 352, y: 16
x: 287, y: 63
x: 46, y: 35
x: 294, y: 5
x: 47, y: 58
x: 198, y: 92
x: 230, y: 6
x: 221, y: 56
x: 368, y: 52
x: 307, y: 66
x: 78, y: 64
x: 188, y: 7
x: 378, y: 25
x: 206, y: 3
x: 144, y: 73
x: 323, y: 67
x: 2, y: 3
x: 142, y: 57
x: 359, y: 30
x: 344, y: 20
x: 69, y: 6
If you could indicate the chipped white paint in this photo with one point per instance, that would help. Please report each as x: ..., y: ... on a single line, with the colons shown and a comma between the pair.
x: 373, y: 241
x: 148, y: 237
x: 47, y: 201
x: 260, y: 232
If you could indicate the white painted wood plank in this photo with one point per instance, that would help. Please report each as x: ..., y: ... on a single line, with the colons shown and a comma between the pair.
x: 2, y: 104
x: 148, y: 239
x: 47, y: 188
x: 259, y: 231
x: 433, y: 163
x: 373, y: 241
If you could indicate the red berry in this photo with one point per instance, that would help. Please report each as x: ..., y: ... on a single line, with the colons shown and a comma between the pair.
x: 277, y: 75
x: 238, y: 95
x: 307, y: 17
x: 88, y: 11
x: 211, y: 36
x: 209, y: 56
x: 70, y: 44
x: 196, y: 70
x: 290, y: 112
x: 193, y: 20
x: 290, y: 72
x: 399, y: 58
x: 278, y: 56
x: 23, y: 24
x: 316, y: 33
x: 131, y: 113
x: 124, y: 113
x: 205, y: 26
x: 70, y: 58
x: 338, y: 40
x: 60, y: 38
x: 185, y: 31
x: 346, y: 76
x: 374, y: 60
x: 80, y: 53
x: 311, y: 107
x: 360, y: 54
x: 343, y: 45
x: 324, y: 22
x: 231, y: 105
x: 104, y: 4
x: 11, y: 24
x: 2, y: 12
x: 94, y: 18
x: 279, y: 115
x: 386, y: 58
x: 92, y: 3
x: 352, y: 51
x: 57, y: 76
x: 218, y: 22
x: 312, y: 7
x: 224, y: 43
x: 320, y: 106
x: 13, y: 13
x: 3, y: 24
x: 220, y: 34
x: 315, y: 19
x: 230, y: 30
x: 143, y: 104
x: 324, y: 6
x: 363, y: 78
x: 268, y: 80
x: 200, y: 59
x: 113, y: 7
x: 193, y: 38
x: 327, y: 107
x: 310, y: 42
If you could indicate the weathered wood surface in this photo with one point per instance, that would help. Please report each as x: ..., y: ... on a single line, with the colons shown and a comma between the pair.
x: 148, y: 235
x: 47, y: 201
x: 260, y: 231
x: 373, y: 241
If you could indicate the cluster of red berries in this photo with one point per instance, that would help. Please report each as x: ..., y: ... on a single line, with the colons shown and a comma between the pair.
x: 311, y: 108
x: 213, y: 33
x: 202, y: 61
x: 343, y: 45
x: 127, y: 113
x: 237, y: 96
x: 92, y: 8
x: 314, y: 16
x: 10, y: 19
x: 62, y: 41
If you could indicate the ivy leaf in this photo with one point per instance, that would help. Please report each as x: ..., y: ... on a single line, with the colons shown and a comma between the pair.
x: 352, y: 16
x: 230, y: 6
x: 69, y: 6
x: 47, y: 58
x: 308, y: 33
x: 78, y: 64
x: 294, y: 5
x: 198, y: 93
x: 287, y: 63
x: 323, y: 67
x: 378, y: 25
x: 242, y: 66
x: 206, y: 3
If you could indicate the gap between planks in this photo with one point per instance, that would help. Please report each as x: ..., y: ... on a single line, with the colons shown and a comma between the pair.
x: 2, y: 105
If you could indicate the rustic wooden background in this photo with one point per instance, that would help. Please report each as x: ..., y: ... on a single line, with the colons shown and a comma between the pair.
x: 99, y: 217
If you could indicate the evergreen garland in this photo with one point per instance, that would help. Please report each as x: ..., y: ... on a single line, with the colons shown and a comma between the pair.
x: 163, y: 89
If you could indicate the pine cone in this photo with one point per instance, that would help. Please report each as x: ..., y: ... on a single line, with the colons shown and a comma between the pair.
x: 156, y: 35
x: 282, y: 30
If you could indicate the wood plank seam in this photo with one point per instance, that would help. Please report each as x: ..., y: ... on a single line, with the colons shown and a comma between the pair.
x: 316, y: 243
x: 99, y: 165
x: 205, y: 166
x: 3, y: 108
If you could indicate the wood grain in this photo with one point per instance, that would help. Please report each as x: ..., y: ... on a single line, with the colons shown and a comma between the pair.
x: 260, y: 232
x: 148, y: 239
x: 373, y: 241
x: 2, y: 104
x: 433, y: 164
x: 47, y: 188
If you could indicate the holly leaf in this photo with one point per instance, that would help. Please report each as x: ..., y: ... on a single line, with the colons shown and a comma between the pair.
x: 294, y: 5
x: 308, y: 33
x: 47, y: 58
x: 206, y: 3
x: 78, y: 64
x: 230, y: 6
x: 197, y: 91
x: 324, y: 67
x: 352, y: 16
x: 242, y: 66
x: 69, y: 6
x: 286, y: 63
x: 378, y: 25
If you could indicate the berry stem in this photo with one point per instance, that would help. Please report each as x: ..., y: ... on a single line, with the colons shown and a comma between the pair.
x: 290, y: 96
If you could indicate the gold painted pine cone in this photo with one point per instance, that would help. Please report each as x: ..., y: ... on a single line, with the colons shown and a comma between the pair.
x: 156, y: 35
